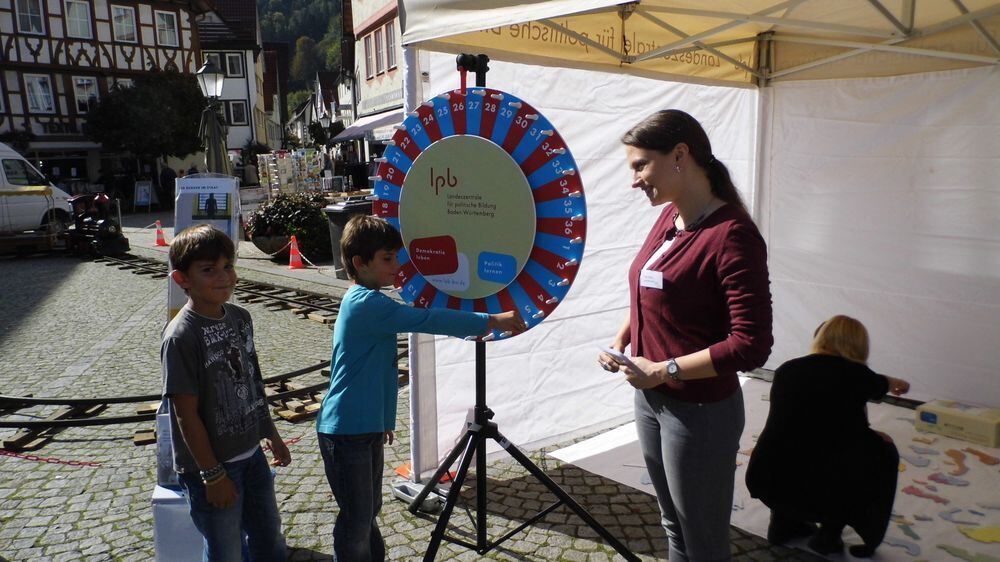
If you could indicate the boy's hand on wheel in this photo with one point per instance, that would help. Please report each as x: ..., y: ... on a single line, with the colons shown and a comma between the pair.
x: 509, y: 321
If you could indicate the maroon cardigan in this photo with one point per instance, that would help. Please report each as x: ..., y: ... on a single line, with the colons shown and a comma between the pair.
x: 715, y: 295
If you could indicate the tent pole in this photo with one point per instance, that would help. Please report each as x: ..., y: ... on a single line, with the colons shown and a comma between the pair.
x: 473, y: 445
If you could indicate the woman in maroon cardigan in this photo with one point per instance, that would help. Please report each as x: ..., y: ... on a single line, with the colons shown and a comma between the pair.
x: 700, y: 310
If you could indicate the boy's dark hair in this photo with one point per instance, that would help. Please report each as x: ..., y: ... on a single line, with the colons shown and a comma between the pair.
x: 200, y: 242
x: 363, y: 236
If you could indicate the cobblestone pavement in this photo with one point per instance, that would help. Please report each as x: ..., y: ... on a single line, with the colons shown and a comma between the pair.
x: 71, y: 328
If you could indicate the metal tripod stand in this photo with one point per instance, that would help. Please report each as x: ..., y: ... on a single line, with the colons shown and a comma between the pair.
x: 473, y: 443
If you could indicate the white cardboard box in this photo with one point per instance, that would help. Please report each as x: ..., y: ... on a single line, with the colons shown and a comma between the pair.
x: 968, y: 422
x: 174, y: 534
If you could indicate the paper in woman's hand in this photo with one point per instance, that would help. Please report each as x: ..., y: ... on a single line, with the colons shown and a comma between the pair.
x: 620, y: 357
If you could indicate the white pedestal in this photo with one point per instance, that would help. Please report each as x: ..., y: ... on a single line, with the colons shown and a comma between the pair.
x: 174, y: 533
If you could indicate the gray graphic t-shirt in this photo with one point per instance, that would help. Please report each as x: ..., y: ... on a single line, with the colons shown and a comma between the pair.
x: 216, y: 360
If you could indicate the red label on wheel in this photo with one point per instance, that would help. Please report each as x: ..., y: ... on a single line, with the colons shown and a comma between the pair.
x: 437, y: 255
x: 386, y: 209
x: 406, y: 144
x: 391, y: 174
x: 456, y: 103
x: 430, y: 123
x: 538, y: 295
x: 426, y: 296
x: 506, y: 301
x: 555, y: 264
x: 519, y: 127
x: 406, y: 273
x: 542, y: 154
x: 557, y: 189
x: 566, y: 228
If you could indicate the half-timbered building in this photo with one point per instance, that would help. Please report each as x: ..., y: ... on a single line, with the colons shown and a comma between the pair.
x: 57, y: 56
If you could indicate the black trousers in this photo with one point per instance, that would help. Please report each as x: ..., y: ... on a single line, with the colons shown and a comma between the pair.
x: 871, y: 489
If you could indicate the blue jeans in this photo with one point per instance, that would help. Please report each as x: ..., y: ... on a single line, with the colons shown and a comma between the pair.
x: 254, y: 514
x: 354, y: 469
x: 690, y: 453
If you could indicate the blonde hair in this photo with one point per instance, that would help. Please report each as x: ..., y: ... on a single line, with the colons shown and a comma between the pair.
x: 843, y: 336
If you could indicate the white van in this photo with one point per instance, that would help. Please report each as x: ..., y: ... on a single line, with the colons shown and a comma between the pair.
x: 20, y: 212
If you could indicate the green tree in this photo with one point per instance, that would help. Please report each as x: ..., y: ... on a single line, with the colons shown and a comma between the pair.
x: 305, y: 64
x: 156, y: 117
x: 295, y: 98
x: 318, y: 134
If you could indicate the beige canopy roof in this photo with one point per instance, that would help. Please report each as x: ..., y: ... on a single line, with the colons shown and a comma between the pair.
x: 735, y: 42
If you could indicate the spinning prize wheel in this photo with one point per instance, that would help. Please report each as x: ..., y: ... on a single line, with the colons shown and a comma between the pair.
x: 488, y: 201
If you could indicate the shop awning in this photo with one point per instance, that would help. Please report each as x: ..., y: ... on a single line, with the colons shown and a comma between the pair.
x: 358, y: 129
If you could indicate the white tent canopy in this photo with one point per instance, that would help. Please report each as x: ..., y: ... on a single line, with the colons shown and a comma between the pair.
x: 866, y: 145
x: 734, y: 42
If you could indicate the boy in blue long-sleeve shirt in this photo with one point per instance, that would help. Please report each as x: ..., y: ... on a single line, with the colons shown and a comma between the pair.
x: 358, y: 415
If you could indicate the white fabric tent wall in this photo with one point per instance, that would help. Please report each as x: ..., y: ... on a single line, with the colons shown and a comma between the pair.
x: 545, y: 386
x: 880, y: 200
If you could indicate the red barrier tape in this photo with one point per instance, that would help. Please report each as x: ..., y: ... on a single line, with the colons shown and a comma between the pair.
x: 48, y: 460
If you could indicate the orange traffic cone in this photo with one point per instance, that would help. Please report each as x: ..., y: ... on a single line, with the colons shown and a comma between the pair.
x: 160, y: 240
x: 295, y: 258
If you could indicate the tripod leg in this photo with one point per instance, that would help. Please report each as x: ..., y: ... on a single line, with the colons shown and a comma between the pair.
x: 521, y: 458
x: 472, y: 440
x: 436, y: 479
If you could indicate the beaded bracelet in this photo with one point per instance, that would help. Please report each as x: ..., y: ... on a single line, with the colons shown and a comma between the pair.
x: 212, y: 475
x: 214, y: 480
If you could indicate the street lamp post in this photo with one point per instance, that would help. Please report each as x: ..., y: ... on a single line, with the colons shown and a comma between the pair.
x: 210, y: 79
x: 213, y: 130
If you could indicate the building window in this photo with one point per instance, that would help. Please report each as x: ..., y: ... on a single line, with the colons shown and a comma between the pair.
x: 216, y: 59
x: 39, y: 89
x: 78, y: 19
x: 390, y: 45
x: 124, y: 82
x: 85, y: 89
x: 379, y: 68
x: 29, y: 17
x: 124, y: 23
x: 237, y: 111
x: 166, y: 29
x: 234, y: 64
x: 368, y: 57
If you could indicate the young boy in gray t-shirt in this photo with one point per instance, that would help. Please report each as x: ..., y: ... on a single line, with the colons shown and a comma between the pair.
x: 218, y: 413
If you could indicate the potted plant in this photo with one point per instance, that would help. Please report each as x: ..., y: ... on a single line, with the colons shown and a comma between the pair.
x: 271, y: 225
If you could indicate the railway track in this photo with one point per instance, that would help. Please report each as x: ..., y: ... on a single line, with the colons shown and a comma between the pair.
x: 311, y: 305
x: 290, y: 401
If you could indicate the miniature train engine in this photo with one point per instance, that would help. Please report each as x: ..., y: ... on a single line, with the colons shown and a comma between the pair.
x: 96, y: 231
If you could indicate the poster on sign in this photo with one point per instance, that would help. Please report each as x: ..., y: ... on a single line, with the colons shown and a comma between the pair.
x: 488, y: 201
x: 203, y: 200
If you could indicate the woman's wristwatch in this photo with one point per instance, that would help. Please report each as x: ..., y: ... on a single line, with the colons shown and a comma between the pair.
x: 673, y: 370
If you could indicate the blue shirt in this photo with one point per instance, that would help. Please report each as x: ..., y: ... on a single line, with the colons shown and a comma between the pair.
x: 363, y: 370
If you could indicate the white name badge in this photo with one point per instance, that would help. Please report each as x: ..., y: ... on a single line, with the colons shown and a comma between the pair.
x: 651, y: 279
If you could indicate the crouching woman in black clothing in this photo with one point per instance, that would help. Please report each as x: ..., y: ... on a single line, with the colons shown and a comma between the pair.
x: 816, y: 460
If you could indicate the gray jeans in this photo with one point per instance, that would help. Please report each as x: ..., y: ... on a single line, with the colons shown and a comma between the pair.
x: 690, y: 452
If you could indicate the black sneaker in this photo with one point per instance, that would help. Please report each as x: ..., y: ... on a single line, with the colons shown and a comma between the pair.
x: 825, y: 542
x: 780, y: 531
x: 861, y: 550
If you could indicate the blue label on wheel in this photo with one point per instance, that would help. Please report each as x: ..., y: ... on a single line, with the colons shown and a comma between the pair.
x: 500, y: 268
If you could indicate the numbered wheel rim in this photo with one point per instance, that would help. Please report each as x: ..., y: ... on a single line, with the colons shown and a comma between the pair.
x: 459, y: 157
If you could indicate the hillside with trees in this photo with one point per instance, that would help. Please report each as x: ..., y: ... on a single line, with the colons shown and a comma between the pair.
x: 312, y: 29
